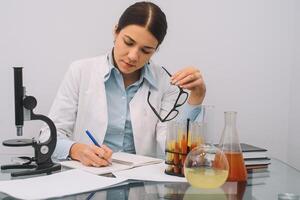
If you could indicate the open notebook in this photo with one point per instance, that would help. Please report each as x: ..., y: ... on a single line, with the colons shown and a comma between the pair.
x: 120, y: 161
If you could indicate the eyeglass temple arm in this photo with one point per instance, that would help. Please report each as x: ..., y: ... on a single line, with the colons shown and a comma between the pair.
x: 167, y: 71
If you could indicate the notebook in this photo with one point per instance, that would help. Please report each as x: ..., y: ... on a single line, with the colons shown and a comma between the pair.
x: 120, y: 161
x: 264, y: 161
x: 251, y: 151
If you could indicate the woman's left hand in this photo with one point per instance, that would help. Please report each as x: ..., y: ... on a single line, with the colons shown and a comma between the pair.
x: 191, y: 78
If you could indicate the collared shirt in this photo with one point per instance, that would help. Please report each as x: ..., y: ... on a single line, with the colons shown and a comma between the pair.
x: 119, y: 136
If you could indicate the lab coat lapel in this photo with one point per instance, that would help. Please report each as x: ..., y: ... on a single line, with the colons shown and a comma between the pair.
x: 137, y: 113
x: 96, y: 117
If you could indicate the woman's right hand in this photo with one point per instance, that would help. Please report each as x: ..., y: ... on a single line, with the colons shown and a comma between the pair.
x: 91, y: 155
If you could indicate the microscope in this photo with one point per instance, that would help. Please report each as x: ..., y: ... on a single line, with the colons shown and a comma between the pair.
x: 41, y: 162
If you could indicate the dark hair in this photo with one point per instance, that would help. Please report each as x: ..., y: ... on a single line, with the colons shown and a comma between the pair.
x: 145, y: 14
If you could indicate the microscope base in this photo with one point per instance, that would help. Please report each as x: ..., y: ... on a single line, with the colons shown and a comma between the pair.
x: 38, y: 170
x: 34, y: 165
x: 33, y: 169
x: 18, y: 166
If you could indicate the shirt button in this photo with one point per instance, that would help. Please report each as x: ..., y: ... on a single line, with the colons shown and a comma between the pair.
x: 123, y: 97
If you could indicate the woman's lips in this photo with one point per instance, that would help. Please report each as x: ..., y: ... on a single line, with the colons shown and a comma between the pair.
x: 127, y: 64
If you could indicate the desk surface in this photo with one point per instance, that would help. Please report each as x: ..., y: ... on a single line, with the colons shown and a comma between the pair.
x: 279, y: 178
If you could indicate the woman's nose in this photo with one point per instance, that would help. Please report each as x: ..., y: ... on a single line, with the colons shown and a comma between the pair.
x: 133, y: 54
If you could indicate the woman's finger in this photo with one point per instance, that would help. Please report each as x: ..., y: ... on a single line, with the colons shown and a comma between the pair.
x: 108, y: 151
x: 100, y: 152
x: 189, y: 79
x: 193, y: 84
x: 187, y: 75
x: 97, y: 161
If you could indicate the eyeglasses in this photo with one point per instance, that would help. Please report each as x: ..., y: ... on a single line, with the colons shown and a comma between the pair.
x: 180, y: 100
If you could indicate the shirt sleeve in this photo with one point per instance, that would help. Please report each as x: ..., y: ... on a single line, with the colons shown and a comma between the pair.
x: 62, y: 149
x: 189, y: 111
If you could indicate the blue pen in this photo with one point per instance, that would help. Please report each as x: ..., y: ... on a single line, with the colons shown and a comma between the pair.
x: 95, y: 142
x: 92, y: 138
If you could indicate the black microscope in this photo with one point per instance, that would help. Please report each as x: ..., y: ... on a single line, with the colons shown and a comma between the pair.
x: 41, y: 162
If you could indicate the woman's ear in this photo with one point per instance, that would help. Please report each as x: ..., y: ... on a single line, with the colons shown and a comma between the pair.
x: 115, y: 32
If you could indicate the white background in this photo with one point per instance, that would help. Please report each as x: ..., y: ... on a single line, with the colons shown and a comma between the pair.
x: 247, y: 50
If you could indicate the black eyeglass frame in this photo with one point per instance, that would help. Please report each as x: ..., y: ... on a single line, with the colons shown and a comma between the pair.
x: 176, y: 104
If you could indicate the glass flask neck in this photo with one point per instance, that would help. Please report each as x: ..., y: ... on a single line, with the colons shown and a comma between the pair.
x: 230, y: 141
x: 230, y: 119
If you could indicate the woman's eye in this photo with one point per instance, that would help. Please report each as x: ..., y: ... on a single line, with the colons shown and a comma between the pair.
x: 145, y: 51
x: 128, y: 43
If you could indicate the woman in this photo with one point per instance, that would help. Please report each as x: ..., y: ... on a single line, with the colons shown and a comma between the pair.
x: 122, y: 97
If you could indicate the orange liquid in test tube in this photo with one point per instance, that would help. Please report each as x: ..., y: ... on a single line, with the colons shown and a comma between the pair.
x: 176, y: 158
x: 184, y: 152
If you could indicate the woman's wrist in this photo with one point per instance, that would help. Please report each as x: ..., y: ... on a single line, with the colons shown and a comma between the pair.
x: 196, y: 96
x: 73, y: 151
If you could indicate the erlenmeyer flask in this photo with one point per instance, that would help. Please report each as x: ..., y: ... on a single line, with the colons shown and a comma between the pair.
x: 230, y: 145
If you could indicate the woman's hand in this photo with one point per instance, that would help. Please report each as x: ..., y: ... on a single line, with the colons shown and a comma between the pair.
x: 91, y: 155
x: 191, y: 78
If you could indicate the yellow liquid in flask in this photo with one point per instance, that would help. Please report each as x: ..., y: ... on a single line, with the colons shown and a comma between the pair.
x: 206, y: 177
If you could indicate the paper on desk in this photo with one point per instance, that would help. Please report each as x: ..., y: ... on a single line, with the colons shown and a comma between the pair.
x: 94, y: 170
x: 120, y: 161
x: 149, y: 173
x: 134, y: 160
x: 56, y: 185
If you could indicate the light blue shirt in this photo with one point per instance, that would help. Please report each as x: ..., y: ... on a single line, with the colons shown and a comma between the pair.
x: 119, y: 136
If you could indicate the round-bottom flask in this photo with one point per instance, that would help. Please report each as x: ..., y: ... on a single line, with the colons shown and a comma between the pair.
x: 206, y: 166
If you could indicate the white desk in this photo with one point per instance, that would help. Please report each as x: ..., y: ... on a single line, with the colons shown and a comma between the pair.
x: 281, y: 178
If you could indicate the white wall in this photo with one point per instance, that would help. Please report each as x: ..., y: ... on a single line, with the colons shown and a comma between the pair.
x: 245, y: 50
x: 294, y: 127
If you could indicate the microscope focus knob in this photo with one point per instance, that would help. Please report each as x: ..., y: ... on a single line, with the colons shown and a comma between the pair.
x: 29, y: 102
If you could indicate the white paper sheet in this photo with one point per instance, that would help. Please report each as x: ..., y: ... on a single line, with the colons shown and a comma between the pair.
x: 134, y: 160
x: 94, y: 170
x: 149, y: 173
x: 56, y: 185
x: 120, y: 161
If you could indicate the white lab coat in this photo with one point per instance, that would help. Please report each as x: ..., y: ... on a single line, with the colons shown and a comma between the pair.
x: 81, y: 104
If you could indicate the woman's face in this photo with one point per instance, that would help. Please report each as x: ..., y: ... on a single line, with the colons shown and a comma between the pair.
x: 134, y: 46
